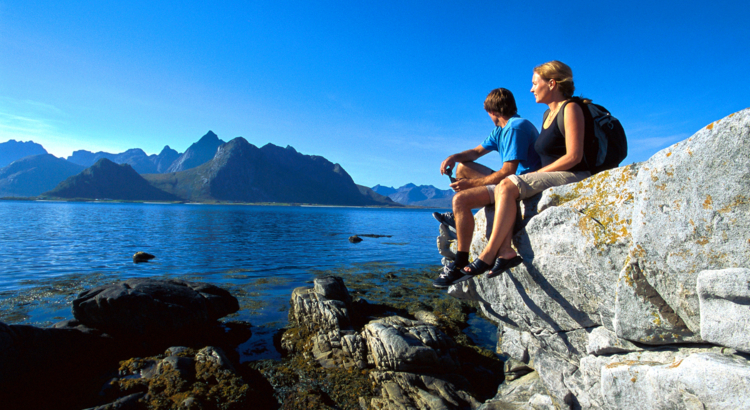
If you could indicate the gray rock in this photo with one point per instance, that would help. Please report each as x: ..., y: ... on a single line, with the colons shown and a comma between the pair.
x: 148, y: 307
x: 586, y: 384
x: 724, y: 297
x: 446, y: 238
x: 400, y: 390
x: 355, y: 239
x: 691, y: 212
x: 400, y: 344
x: 332, y: 287
x: 524, y: 393
x: 215, y: 355
x: 327, y: 321
x: 314, y: 311
x: 515, y: 369
x: 699, y: 381
x: 616, y: 258
x: 603, y: 341
x: 642, y: 315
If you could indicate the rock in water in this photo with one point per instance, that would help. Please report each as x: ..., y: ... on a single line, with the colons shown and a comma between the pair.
x: 142, y: 257
x: 355, y: 239
x: 149, y: 307
x: 617, y: 264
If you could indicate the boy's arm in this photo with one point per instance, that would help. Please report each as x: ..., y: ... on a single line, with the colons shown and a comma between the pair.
x: 509, y: 168
x: 465, y: 156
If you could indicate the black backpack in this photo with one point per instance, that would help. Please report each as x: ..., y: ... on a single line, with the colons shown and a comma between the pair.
x: 606, y: 146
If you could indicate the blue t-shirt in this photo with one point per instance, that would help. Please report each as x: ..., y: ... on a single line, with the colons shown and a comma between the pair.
x: 515, y: 141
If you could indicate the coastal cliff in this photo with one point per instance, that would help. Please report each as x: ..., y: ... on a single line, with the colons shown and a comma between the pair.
x: 633, y: 292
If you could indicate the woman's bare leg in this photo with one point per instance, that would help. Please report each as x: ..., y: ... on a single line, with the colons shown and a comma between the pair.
x: 499, y: 244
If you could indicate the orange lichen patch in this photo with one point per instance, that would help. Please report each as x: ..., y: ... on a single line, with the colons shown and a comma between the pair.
x: 708, y: 203
x: 661, y: 187
x: 711, y: 126
x: 654, y: 178
x: 669, y: 154
x: 689, y: 152
x: 639, y: 252
x: 657, y: 319
x: 737, y: 202
x: 633, y: 379
x: 675, y: 364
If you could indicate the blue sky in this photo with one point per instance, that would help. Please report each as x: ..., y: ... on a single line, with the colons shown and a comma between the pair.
x: 387, y: 89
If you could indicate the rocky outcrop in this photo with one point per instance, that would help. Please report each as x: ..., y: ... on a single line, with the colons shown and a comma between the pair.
x: 180, y: 378
x: 411, y: 361
x: 623, y: 269
x: 64, y: 366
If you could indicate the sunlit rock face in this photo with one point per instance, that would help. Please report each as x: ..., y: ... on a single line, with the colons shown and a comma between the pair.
x: 615, y: 268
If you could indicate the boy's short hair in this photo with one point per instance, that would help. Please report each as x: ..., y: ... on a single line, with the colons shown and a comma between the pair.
x: 501, y: 101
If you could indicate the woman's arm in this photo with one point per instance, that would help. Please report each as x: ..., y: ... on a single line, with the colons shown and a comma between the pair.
x: 574, y: 130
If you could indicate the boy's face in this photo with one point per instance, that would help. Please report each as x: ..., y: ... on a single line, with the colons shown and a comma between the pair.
x: 495, y: 117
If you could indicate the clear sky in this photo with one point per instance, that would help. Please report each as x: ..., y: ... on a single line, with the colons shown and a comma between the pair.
x: 388, y: 89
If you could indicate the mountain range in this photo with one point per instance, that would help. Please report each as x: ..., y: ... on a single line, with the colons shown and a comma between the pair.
x: 12, y: 150
x: 413, y: 195
x: 210, y: 170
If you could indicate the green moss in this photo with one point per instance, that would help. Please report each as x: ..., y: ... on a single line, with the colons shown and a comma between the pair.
x: 213, y: 387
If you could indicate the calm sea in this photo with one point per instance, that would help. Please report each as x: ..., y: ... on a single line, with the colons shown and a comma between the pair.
x: 51, y: 251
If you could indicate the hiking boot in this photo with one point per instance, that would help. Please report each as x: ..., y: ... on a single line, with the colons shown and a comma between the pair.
x: 449, y: 275
x: 445, y: 218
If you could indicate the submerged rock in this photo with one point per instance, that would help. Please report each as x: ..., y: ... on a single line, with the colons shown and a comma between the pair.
x: 148, y: 307
x: 142, y: 257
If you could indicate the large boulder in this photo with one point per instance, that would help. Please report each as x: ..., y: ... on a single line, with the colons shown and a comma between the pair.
x: 40, y: 367
x: 396, y: 343
x: 149, y: 307
x: 612, y: 265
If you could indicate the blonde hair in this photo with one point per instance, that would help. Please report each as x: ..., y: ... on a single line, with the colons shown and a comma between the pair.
x: 561, y: 73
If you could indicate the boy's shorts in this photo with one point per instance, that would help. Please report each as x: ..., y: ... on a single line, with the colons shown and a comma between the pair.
x: 535, y: 182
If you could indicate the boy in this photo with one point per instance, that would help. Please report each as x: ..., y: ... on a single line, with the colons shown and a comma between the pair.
x: 513, y: 138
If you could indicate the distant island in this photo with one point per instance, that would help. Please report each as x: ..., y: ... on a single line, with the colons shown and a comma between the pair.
x: 209, y: 171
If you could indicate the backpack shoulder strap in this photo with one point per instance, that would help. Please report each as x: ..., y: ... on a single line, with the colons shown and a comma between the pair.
x: 561, y: 112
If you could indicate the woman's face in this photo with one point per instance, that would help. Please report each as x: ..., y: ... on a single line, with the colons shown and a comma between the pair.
x: 540, y: 88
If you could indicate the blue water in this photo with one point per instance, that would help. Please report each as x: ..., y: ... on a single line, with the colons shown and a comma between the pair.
x: 51, y: 251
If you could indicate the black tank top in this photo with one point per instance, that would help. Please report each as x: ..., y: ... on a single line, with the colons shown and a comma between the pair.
x: 550, y: 145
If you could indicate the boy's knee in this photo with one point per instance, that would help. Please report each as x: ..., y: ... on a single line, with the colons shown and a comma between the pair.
x: 505, y: 188
x: 462, y: 169
x: 459, y: 200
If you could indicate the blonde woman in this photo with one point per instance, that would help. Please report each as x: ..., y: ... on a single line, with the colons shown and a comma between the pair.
x: 563, y: 162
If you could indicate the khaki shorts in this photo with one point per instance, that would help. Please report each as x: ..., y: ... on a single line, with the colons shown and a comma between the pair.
x: 536, y: 182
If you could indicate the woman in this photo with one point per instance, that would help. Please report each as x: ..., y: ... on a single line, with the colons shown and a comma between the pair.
x: 562, y: 163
